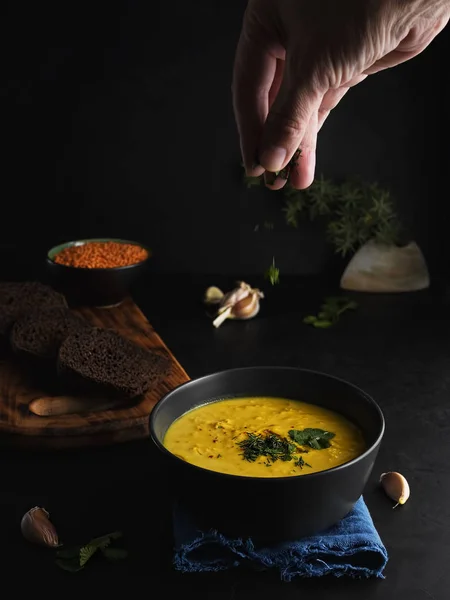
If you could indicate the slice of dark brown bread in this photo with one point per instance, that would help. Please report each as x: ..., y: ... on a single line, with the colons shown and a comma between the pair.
x: 39, y: 333
x: 101, y: 361
x: 18, y: 298
x: 6, y: 321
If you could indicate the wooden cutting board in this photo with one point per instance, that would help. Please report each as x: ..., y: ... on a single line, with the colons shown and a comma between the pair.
x: 20, y: 426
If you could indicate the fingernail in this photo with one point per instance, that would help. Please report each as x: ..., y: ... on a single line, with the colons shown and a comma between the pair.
x: 273, y: 158
x: 254, y: 171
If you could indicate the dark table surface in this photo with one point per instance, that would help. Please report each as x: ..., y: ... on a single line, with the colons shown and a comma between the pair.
x: 395, y: 347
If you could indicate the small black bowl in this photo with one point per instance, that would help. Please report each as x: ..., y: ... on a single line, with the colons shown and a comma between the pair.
x: 279, y: 508
x: 94, y: 287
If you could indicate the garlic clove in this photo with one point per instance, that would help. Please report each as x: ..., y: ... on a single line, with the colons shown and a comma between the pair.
x: 213, y: 295
x: 37, y: 528
x: 240, y: 303
x: 222, y: 316
x: 248, y: 307
x: 236, y: 295
x: 395, y: 486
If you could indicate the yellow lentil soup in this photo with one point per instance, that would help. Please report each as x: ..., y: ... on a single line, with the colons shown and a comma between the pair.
x: 264, y: 437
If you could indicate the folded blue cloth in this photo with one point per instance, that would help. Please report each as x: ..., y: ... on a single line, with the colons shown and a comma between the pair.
x: 352, y: 547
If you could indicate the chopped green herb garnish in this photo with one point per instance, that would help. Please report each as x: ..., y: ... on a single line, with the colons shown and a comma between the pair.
x: 299, y: 462
x: 272, y: 446
x: 318, y: 439
x: 284, y: 173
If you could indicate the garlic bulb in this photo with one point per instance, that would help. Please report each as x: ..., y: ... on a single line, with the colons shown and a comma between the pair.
x: 395, y: 486
x: 37, y: 528
x: 247, y: 308
x: 240, y: 303
x: 236, y: 295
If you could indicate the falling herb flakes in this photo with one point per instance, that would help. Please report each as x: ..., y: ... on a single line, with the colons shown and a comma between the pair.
x: 330, y: 311
x: 74, y: 558
x: 273, y: 273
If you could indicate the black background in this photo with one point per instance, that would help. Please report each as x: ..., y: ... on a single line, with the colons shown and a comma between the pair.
x: 117, y: 121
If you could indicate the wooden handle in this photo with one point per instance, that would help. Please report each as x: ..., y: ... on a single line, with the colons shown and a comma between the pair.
x: 64, y: 405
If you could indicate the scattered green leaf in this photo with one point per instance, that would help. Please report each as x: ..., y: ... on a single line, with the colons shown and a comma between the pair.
x: 309, y: 320
x: 321, y: 323
x: 330, y: 311
x: 75, y: 558
x: 318, y: 439
x: 86, y: 553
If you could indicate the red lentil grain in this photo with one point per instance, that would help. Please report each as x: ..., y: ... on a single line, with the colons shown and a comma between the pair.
x: 101, y: 255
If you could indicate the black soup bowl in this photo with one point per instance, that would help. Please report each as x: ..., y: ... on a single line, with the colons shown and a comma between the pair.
x: 269, y: 509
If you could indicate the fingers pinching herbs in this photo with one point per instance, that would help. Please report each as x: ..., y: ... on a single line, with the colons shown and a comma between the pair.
x: 301, y: 174
x: 287, y: 123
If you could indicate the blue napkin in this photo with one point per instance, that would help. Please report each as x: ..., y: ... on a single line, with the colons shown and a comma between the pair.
x: 352, y: 547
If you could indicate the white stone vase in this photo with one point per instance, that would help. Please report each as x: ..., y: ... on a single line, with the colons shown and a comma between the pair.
x: 386, y: 268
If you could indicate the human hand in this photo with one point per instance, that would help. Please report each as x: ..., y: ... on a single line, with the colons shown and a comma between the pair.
x: 297, y: 58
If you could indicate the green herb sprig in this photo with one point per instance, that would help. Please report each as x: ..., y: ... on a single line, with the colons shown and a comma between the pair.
x: 354, y: 212
x: 74, y: 558
x: 330, y: 311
